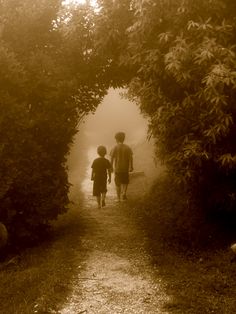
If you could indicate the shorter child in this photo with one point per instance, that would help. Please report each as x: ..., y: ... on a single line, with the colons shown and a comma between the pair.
x: 101, y: 167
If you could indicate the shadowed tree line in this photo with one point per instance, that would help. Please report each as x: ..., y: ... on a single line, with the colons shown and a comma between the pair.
x: 48, y: 83
x: 176, y: 57
x: 182, y: 60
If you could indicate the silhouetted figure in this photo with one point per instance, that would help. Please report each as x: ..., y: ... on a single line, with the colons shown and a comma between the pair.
x: 101, y: 169
x: 122, y: 164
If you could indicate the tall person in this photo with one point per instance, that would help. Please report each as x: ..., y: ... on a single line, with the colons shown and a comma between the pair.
x: 122, y: 164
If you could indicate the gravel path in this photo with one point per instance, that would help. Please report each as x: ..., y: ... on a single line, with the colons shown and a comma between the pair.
x: 117, y: 275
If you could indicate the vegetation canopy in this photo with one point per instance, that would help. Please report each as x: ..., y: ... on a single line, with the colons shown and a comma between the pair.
x: 49, y: 82
x: 182, y: 57
x: 176, y: 57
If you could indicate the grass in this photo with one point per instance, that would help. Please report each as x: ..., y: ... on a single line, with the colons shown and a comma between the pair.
x: 40, y: 279
x: 188, y: 254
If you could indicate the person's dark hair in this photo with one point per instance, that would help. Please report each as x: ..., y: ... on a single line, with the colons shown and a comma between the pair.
x: 120, y: 137
x: 101, y: 150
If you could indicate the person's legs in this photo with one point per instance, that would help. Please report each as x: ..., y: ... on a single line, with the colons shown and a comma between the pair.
x: 118, y: 191
x: 99, y: 201
x: 124, y: 179
x: 96, y: 192
x: 118, y: 185
x: 124, y: 190
x: 103, y: 199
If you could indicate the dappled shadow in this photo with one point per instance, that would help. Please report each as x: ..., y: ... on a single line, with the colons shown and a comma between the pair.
x: 118, y: 276
x: 197, y: 281
x: 43, y: 276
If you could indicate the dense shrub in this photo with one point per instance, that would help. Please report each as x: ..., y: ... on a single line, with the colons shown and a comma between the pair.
x: 180, y: 223
x: 43, y: 96
x: 186, y: 84
x: 184, y: 57
x: 178, y: 59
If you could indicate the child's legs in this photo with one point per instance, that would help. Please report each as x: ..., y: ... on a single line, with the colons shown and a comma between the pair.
x: 103, y: 199
x: 124, y: 188
x: 104, y: 196
x: 124, y: 180
x: 99, y: 200
x: 118, y: 185
x: 118, y: 191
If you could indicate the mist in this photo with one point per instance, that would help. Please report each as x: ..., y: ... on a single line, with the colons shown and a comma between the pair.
x: 114, y: 114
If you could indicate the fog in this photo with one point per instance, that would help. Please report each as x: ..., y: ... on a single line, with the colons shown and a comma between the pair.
x: 114, y: 114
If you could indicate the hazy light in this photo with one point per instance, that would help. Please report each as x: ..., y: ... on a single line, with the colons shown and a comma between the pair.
x: 115, y: 114
x: 78, y: 2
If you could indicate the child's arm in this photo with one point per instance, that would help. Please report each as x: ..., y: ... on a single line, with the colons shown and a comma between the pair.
x: 92, y: 175
x: 112, y: 162
x: 112, y: 159
x: 131, y: 165
x: 109, y: 174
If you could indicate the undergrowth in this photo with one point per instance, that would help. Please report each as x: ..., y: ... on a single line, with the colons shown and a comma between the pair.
x: 189, y: 251
x: 179, y: 221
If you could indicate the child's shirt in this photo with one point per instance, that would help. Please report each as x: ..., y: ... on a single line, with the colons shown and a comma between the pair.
x: 100, y: 166
x: 122, y: 155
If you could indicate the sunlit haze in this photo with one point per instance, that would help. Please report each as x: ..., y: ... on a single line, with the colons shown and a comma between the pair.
x: 112, y: 115
x: 68, y: 2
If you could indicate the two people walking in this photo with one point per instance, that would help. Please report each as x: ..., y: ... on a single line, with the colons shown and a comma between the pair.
x: 121, y: 163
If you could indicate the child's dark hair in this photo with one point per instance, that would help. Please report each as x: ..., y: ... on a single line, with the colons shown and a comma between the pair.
x: 120, y: 137
x: 101, y: 150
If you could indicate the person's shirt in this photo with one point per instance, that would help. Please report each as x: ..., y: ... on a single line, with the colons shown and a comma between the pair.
x: 100, y: 167
x: 121, y: 155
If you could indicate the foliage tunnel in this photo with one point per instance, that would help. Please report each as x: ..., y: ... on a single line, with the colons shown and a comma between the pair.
x: 179, y: 61
x: 176, y: 57
x: 48, y: 83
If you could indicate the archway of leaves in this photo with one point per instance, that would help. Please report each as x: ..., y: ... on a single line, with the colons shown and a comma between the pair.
x: 177, y: 58
x: 49, y: 81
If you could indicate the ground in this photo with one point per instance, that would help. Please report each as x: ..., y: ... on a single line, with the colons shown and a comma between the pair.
x: 110, y: 261
x: 118, y: 276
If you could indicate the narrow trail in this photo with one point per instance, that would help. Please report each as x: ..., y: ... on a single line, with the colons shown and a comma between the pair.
x: 117, y: 275
x: 117, y: 259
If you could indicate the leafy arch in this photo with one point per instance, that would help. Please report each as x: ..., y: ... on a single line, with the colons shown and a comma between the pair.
x: 177, y: 59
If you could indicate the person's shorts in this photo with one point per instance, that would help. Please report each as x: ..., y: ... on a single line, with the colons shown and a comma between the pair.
x: 99, y: 186
x: 121, y: 178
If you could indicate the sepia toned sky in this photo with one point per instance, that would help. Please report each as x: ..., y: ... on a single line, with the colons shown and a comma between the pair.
x: 115, y: 114
x: 67, y: 2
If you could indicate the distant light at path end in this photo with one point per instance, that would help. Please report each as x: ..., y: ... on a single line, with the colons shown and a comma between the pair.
x: 68, y: 2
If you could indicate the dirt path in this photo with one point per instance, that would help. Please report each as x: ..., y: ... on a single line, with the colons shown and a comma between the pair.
x: 117, y: 275
x: 115, y: 260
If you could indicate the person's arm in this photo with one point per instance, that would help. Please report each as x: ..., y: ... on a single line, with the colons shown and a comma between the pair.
x: 109, y: 175
x: 131, y: 165
x: 93, y: 172
x: 112, y: 154
x: 92, y: 175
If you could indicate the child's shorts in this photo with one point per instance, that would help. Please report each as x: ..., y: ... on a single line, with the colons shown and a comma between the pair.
x: 99, y: 186
x: 121, y: 178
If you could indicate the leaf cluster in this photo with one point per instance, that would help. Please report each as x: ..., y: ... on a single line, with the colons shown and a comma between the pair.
x: 182, y: 57
x: 47, y: 86
x: 186, y: 84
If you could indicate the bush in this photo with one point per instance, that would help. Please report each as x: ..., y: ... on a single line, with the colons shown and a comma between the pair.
x: 185, y: 83
x: 181, y: 224
x: 43, y: 97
